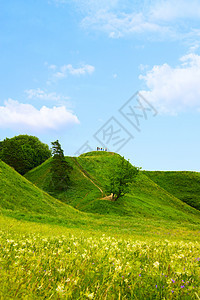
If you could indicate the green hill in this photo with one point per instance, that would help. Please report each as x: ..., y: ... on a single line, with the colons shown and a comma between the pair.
x: 21, y: 199
x: 183, y: 185
x: 80, y: 192
x: 91, y: 172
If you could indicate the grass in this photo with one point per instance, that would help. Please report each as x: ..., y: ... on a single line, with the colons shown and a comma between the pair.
x: 52, y: 262
x: 183, y: 185
x: 81, y: 190
x: 76, y: 245
x: 21, y: 199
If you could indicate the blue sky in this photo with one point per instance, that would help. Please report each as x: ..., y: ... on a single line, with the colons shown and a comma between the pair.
x: 70, y: 67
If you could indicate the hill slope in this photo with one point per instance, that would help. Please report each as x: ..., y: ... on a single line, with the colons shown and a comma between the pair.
x: 91, y: 172
x: 22, y: 199
x: 183, y: 185
x: 81, y: 190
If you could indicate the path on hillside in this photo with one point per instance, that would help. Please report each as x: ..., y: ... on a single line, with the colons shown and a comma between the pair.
x: 85, y: 174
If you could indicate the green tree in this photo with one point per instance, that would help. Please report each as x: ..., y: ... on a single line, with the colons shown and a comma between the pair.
x: 24, y: 152
x: 60, y: 169
x: 121, y: 178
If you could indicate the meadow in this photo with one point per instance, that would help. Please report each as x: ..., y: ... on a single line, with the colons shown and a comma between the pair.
x: 52, y: 262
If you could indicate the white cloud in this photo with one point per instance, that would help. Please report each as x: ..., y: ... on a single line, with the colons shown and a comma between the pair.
x: 62, y: 73
x: 80, y: 71
x: 143, y: 67
x: 69, y: 69
x: 120, y: 24
x: 52, y: 67
x: 174, y: 89
x: 162, y: 18
x: 43, y: 95
x: 194, y: 47
x: 21, y: 116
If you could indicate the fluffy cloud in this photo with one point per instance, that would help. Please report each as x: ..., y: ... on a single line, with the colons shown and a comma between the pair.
x: 21, y: 116
x: 43, y: 95
x: 69, y: 69
x: 174, y: 89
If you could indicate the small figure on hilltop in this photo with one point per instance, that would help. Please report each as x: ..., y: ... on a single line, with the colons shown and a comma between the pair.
x: 102, y: 149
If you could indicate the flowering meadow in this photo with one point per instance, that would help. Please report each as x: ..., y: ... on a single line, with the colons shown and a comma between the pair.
x: 79, y: 265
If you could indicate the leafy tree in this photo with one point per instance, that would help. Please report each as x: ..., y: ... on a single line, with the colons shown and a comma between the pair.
x: 121, y: 178
x: 60, y: 169
x: 24, y: 152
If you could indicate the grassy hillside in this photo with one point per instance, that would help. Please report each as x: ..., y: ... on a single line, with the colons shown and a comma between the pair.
x: 183, y: 185
x: 80, y: 192
x: 21, y: 199
x: 145, y: 200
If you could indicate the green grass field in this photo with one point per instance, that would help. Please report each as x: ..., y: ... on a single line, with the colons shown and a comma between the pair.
x: 78, y: 245
x: 54, y: 262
